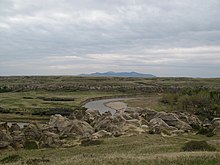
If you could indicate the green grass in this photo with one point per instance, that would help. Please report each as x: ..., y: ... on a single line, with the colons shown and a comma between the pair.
x: 141, y: 149
x: 16, y: 102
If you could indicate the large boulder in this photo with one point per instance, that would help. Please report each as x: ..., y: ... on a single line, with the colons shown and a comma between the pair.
x: 191, y: 119
x: 78, y: 128
x: 18, y: 139
x: 59, y: 122
x: 14, y: 127
x: 172, y: 120
x: 5, y: 136
x: 113, y: 124
x: 4, y: 145
x: 4, y: 126
x: 32, y: 132
x: 50, y: 139
x: 91, y: 116
x: 78, y: 114
x: 148, y: 114
x: 157, y: 125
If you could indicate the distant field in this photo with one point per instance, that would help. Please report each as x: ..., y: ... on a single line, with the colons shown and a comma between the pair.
x: 40, y: 95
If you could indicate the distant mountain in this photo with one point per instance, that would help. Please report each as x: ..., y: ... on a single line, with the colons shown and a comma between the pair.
x: 118, y: 74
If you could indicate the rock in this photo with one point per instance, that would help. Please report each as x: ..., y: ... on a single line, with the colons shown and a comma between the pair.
x: 207, y: 124
x: 4, y: 126
x: 50, y: 139
x: 155, y: 129
x: 18, y: 141
x: 126, y: 116
x: 148, y: 114
x: 130, y: 129
x: 14, y: 127
x: 5, y: 136
x: 4, y: 145
x: 135, y: 115
x: 143, y: 121
x: 78, y: 127
x: 78, y: 114
x: 111, y: 124
x: 157, y: 125
x: 145, y: 128
x: 191, y: 119
x: 102, y: 134
x: 172, y: 120
x: 169, y: 118
x: 216, y: 126
x: 32, y: 132
x: 59, y: 122
x: 91, y: 116
x: 133, y: 122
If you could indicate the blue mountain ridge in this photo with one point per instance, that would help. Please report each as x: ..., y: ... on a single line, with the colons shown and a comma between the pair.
x: 118, y: 74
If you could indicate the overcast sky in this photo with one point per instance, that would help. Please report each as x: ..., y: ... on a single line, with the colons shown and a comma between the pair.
x: 69, y: 37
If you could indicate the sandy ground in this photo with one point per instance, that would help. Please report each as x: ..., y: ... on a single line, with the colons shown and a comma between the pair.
x: 117, y: 105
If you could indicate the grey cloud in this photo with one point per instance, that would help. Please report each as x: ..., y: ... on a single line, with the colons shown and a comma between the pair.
x: 39, y: 29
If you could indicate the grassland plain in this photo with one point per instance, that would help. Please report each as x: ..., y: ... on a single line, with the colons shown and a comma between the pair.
x: 23, y: 96
x: 140, y: 149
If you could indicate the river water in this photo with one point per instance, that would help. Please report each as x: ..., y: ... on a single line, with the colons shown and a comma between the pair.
x: 100, y: 105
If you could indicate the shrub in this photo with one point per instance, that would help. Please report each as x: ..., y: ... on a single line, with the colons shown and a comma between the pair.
x: 31, y: 144
x: 10, y: 159
x: 198, y: 146
x: 89, y: 142
x: 206, y: 131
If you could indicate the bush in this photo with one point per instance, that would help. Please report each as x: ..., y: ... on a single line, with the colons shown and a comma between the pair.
x: 206, y: 131
x: 10, y: 159
x: 198, y: 146
x: 31, y: 144
x: 89, y: 142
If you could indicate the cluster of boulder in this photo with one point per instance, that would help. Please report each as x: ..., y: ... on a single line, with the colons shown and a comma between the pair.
x: 90, y: 124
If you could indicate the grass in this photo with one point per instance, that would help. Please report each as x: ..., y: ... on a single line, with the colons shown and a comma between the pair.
x: 150, y: 101
x: 22, y: 108
x: 140, y: 149
x: 24, y: 95
x: 198, y: 146
x: 16, y: 100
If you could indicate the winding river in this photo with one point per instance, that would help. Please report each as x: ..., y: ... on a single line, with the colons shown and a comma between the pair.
x: 100, y: 105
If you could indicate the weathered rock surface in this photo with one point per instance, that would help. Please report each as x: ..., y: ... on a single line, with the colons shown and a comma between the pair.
x: 216, y: 126
x: 172, y: 120
x: 101, y: 134
x: 4, y: 145
x: 79, y: 128
x: 90, y: 124
x: 14, y: 127
x: 59, y: 122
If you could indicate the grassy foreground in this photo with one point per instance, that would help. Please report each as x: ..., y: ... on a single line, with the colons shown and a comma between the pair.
x: 140, y: 149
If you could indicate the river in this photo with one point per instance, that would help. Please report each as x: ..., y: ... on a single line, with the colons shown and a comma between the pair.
x: 100, y: 105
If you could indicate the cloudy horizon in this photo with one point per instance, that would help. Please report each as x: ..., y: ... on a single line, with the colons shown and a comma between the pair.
x: 59, y: 37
